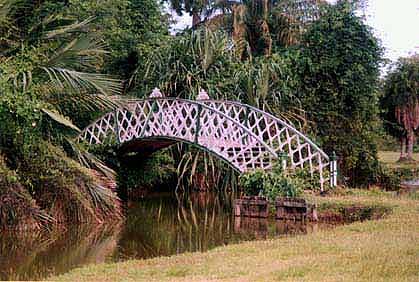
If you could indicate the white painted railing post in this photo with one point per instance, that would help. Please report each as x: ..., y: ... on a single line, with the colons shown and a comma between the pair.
x: 333, y: 170
x: 283, y: 158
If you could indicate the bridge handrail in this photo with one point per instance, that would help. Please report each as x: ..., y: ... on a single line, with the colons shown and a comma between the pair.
x: 285, y: 124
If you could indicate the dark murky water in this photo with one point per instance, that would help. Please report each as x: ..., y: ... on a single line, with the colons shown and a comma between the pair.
x: 157, y: 226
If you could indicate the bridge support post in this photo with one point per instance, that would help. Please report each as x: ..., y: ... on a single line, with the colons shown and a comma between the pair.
x: 283, y: 158
x: 333, y: 170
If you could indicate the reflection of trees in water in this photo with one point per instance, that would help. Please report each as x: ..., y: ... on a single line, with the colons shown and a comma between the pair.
x: 165, y: 226
x: 36, y: 255
x: 160, y: 226
x: 192, y: 222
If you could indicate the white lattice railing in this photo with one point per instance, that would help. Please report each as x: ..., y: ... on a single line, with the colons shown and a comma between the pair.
x: 279, y: 135
x: 244, y: 136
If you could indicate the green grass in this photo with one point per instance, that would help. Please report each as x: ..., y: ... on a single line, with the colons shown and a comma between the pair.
x: 391, y: 158
x: 382, y: 250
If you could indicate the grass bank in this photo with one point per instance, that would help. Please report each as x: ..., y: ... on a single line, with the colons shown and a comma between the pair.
x: 382, y: 250
x: 400, y: 170
x: 390, y: 158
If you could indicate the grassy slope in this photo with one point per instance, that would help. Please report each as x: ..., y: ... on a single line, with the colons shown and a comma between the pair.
x: 384, y: 250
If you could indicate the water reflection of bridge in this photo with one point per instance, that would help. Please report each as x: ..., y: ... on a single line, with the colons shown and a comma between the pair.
x: 158, y: 226
x: 245, y: 137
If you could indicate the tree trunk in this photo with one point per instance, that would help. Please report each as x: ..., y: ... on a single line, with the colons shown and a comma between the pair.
x: 410, y: 143
x: 196, y: 19
x: 402, y: 148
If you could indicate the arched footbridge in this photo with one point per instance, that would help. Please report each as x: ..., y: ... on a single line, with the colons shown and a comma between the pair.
x: 245, y: 137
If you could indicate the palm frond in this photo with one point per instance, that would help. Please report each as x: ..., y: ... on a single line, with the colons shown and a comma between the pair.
x: 82, y: 81
x: 77, y: 26
x: 61, y: 119
x: 61, y: 97
x: 5, y: 9
x: 81, y: 52
x: 7, y: 26
x: 89, y: 160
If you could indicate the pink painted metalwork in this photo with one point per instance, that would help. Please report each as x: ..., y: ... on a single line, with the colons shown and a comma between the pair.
x: 244, y: 136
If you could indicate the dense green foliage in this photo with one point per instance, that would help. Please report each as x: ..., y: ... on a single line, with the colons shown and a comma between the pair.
x: 132, y: 29
x: 49, y: 63
x: 141, y: 172
x: 271, y: 184
x: 401, y: 85
x: 187, y: 63
x: 17, y: 207
x: 339, y: 74
x: 327, y: 85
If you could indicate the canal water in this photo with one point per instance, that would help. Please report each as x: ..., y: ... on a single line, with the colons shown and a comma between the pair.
x: 158, y: 225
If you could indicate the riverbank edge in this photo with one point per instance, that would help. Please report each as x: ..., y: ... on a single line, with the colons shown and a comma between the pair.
x: 373, y: 250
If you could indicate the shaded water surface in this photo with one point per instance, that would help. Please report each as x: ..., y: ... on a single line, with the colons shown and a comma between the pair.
x: 157, y: 226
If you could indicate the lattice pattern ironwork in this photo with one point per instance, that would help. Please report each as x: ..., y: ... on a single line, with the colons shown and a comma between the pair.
x: 244, y: 136
x: 279, y: 135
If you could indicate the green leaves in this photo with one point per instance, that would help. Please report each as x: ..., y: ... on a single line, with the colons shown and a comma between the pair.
x: 253, y: 182
x: 201, y: 59
x: 81, y: 52
x: 271, y: 184
x: 65, y: 30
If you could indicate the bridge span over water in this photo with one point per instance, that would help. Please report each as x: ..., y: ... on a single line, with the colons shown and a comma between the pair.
x: 245, y: 137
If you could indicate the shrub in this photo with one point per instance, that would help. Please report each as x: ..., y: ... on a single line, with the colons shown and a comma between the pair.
x: 271, y: 184
x: 388, y: 179
x: 282, y: 185
x: 64, y: 189
x: 253, y: 182
x: 17, y: 209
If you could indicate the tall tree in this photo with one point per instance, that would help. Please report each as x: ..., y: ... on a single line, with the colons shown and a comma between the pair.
x: 259, y: 26
x: 340, y: 69
x: 401, y: 104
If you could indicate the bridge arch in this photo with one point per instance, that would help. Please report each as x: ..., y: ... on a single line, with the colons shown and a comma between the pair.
x: 246, y: 137
x: 182, y: 120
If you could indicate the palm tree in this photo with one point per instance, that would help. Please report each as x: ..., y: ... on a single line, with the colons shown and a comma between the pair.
x: 49, y: 63
x: 56, y: 55
x: 258, y: 25
x: 262, y: 24
x: 401, y: 104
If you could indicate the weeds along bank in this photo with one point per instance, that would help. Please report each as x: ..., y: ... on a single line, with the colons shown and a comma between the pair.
x: 47, y: 188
